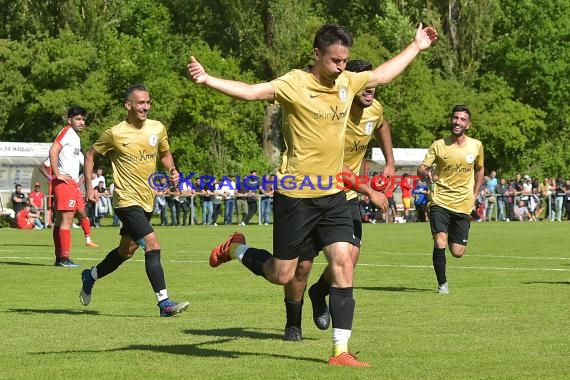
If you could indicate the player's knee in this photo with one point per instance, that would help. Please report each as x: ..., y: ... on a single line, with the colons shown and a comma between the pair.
x: 457, y: 252
x: 283, y: 278
x: 302, y: 271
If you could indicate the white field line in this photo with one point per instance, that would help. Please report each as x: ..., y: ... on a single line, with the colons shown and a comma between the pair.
x: 322, y: 263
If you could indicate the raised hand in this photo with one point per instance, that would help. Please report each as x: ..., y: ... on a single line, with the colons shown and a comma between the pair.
x: 196, y: 71
x: 425, y: 36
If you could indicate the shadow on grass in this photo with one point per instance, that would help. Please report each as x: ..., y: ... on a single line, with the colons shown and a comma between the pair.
x: 189, y: 350
x: 24, y: 264
x: 73, y: 312
x: 393, y: 289
x: 547, y: 282
x: 235, y: 332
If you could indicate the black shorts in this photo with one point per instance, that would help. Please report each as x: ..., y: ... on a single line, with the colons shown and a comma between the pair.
x: 454, y: 224
x: 303, y: 226
x: 136, y: 222
x: 391, y: 202
x: 354, y: 207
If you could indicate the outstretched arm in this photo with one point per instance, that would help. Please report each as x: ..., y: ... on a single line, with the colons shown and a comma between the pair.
x: 390, y: 69
x: 235, y: 89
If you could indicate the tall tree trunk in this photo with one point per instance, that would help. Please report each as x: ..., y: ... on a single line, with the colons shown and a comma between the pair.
x: 271, y: 135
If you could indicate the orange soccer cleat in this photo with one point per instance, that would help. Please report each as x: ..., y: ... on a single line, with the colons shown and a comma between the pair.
x: 221, y: 254
x: 348, y: 360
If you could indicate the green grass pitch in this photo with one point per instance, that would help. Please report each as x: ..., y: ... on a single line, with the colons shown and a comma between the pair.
x: 507, y: 316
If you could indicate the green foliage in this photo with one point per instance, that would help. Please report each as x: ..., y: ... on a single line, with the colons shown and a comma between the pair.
x: 508, y: 60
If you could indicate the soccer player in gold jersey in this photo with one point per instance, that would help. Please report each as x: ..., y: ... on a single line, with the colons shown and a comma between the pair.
x: 310, y: 210
x: 133, y: 145
x: 365, y: 122
x: 459, y: 161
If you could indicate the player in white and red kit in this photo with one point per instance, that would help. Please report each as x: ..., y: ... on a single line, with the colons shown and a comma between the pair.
x: 66, y: 151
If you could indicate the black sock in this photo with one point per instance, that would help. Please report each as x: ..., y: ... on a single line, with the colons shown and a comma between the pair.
x: 438, y: 259
x: 110, y: 263
x: 341, y: 305
x: 294, y: 312
x: 321, y: 288
x: 254, y: 258
x: 154, y: 270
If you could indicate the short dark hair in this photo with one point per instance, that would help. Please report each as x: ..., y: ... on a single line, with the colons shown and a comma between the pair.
x: 133, y: 88
x: 461, y: 108
x: 76, y: 110
x: 331, y: 34
x: 358, y: 65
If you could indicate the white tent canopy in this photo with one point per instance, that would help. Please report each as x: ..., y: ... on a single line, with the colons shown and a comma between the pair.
x: 19, y: 163
x: 403, y: 157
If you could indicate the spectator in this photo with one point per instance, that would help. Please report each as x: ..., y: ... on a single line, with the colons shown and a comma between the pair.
x: 102, y: 205
x: 252, y: 181
x: 227, y: 187
x: 97, y: 177
x: 206, y: 196
x: 567, y: 199
x: 160, y: 202
x: 560, y: 195
x: 533, y: 204
x: 172, y: 195
x: 501, y: 200
x: 406, y: 187
x: 421, y: 196
x: 18, y: 198
x: 392, y: 209
x: 185, y: 207
x: 521, y: 212
x: 491, y: 200
x: 368, y: 212
x: 36, y: 199
x: 217, y: 199
x: 267, y: 190
x: 26, y: 219
x: 241, y: 202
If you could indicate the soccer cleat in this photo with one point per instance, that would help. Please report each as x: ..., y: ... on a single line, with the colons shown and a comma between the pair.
x: 168, y: 308
x: 221, y: 253
x: 66, y: 263
x: 443, y: 289
x: 87, y: 287
x: 91, y: 244
x: 321, y: 314
x: 348, y: 360
x: 293, y: 334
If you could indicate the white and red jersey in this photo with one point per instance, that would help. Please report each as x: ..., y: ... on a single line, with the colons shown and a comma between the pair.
x: 70, y: 157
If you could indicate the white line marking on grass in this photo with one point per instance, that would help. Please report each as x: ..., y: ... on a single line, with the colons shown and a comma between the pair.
x: 319, y: 263
x: 468, y: 267
x: 477, y: 255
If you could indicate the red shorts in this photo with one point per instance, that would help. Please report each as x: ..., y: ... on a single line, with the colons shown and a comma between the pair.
x: 68, y: 196
x: 25, y: 225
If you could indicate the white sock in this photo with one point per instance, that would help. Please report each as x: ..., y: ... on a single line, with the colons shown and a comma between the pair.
x: 240, y: 251
x: 88, y: 239
x: 94, y: 273
x: 161, y: 295
x: 340, y: 340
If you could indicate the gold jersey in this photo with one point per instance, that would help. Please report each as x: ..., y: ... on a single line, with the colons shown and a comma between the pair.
x: 358, y: 134
x: 133, y: 153
x: 456, y: 166
x: 314, y: 122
